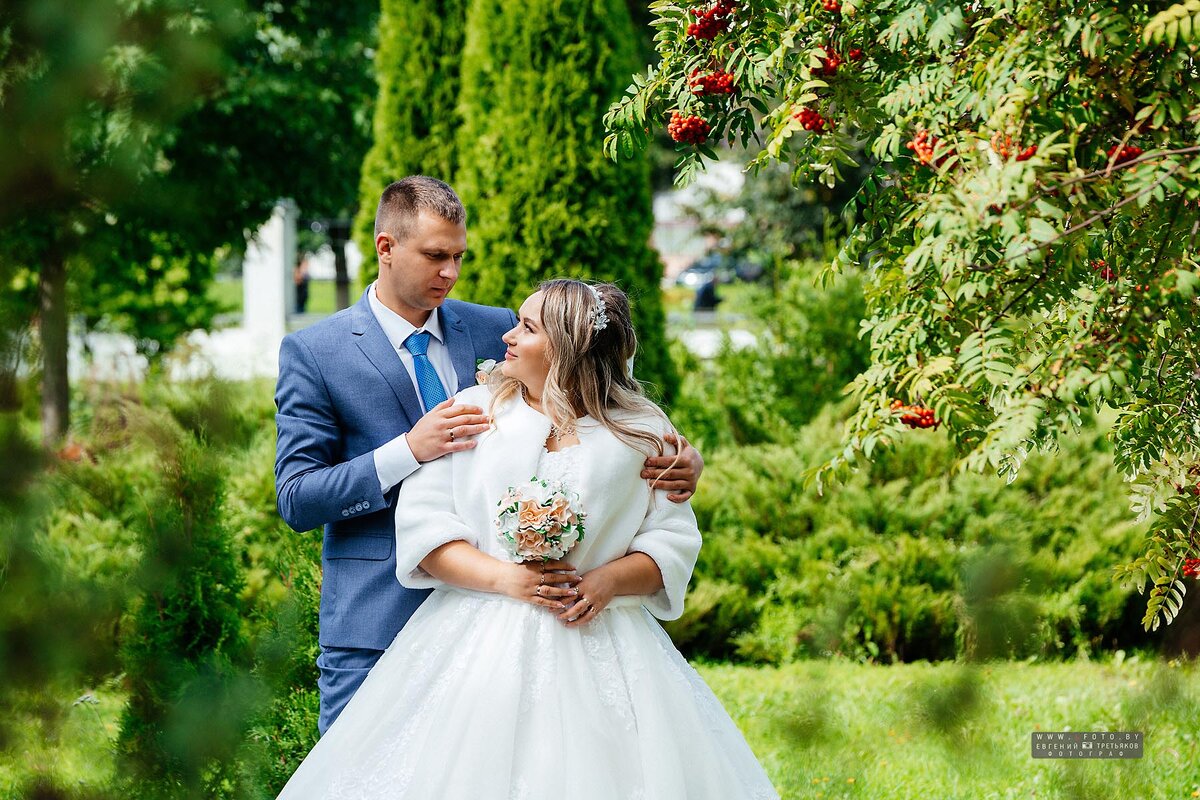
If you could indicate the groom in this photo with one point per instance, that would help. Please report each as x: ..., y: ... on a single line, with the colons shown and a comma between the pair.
x: 362, y: 401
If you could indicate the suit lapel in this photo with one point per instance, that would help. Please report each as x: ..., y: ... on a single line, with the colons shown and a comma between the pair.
x: 374, y: 344
x: 461, y: 346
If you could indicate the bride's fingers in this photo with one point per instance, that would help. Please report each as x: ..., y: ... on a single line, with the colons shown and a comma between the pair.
x: 555, y: 591
x: 573, y: 610
x: 587, y: 616
x: 553, y: 605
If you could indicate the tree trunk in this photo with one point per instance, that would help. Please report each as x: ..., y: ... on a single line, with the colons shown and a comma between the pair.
x: 56, y: 392
x: 341, y: 273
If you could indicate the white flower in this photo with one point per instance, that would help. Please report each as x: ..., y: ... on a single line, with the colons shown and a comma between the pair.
x: 483, y: 371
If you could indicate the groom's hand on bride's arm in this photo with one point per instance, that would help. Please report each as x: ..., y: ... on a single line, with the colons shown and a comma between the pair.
x: 677, y: 474
x: 431, y: 437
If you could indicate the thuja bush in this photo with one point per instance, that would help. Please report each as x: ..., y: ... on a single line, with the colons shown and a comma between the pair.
x: 542, y: 198
x: 1029, y: 222
x: 908, y: 560
x: 287, y: 729
x: 416, y: 111
x: 185, y: 656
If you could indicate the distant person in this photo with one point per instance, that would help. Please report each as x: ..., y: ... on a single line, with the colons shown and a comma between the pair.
x: 300, y: 277
x: 706, y: 296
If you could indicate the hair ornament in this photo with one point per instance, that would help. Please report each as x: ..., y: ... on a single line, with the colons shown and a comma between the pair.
x: 597, y: 314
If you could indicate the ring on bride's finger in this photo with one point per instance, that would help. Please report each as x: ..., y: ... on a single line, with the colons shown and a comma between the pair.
x: 542, y: 582
x: 538, y: 590
x: 452, y: 434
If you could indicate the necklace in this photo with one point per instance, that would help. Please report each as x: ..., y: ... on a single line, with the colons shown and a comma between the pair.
x: 560, y: 433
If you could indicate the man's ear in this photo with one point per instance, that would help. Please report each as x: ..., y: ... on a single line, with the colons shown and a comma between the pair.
x: 383, y: 246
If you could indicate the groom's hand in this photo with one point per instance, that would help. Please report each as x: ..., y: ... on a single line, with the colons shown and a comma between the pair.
x: 678, y: 474
x: 446, y: 428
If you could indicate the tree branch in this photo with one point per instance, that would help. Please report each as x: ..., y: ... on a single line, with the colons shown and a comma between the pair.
x: 1099, y: 215
x: 1109, y: 169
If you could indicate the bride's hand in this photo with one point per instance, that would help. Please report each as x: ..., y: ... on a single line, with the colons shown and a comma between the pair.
x: 596, y: 590
x: 546, y: 584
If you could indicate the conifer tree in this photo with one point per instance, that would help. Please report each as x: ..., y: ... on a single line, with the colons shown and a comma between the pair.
x: 542, y: 199
x: 417, y: 67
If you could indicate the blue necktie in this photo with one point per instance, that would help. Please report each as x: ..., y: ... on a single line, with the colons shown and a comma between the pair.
x: 428, y: 381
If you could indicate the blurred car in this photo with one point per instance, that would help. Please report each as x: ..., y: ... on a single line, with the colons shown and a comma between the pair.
x: 719, y: 268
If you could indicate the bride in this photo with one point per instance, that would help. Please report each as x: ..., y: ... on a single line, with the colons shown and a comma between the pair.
x: 543, y: 678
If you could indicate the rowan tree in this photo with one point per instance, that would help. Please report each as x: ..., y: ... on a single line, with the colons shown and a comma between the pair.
x: 1027, y: 231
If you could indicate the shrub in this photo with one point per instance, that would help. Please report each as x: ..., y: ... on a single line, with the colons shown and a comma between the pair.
x: 908, y: 561
x: 183, y: 651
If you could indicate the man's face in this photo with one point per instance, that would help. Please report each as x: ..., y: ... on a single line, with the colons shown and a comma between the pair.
x: 416, y: 274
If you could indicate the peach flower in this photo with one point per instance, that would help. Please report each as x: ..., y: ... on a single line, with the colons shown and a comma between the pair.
x: 532, y: 543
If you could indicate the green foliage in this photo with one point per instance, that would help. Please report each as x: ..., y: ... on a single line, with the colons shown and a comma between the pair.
x: 1024, y: 264
x: 416, y: 111
x: 1179, y: 23
x: 242, y: 592
x: 907, y: 561
x: 184, y: 653
x: 808, y: 350
x: 543, y: 201
x: 145, y: 139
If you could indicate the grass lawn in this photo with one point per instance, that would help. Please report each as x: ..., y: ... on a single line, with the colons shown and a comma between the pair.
x: 842, y: 730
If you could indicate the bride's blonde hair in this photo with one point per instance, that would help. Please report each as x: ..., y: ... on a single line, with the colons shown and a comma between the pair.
x: 588, y: 367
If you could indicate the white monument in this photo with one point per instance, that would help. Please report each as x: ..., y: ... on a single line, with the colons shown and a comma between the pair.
x: 267, y: 275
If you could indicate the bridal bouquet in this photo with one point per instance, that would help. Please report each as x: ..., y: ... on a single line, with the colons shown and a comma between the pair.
x: 539, y: 520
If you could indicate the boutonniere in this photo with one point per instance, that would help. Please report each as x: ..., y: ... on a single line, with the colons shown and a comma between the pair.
x: 483, y: 370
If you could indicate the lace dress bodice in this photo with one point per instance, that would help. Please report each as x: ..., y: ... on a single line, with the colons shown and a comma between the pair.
x: 561, y: 465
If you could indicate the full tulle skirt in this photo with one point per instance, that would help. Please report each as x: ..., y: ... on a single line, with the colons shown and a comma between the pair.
x: 481, y: 696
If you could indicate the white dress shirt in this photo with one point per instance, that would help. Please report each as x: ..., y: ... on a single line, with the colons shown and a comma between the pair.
x: 395, y: 461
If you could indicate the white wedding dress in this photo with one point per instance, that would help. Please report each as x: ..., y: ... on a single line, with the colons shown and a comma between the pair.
x: 481, y: 696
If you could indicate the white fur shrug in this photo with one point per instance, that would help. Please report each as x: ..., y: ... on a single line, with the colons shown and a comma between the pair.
x: 455, y: 497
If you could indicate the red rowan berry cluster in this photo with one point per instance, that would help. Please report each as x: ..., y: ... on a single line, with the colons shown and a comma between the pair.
x: 856, y: 54
x: 712, y: 22
x: 915, y: 416
x: 688, y: 129
x: 832, y: 6
x: 1106, y: 272
x: 1191, y: 568
x: 830, y: 64
x: 1006, y: 149
x: 811, y: 119
x: 923, y: 146
x: 719, y: 82
x: 1123, y: 154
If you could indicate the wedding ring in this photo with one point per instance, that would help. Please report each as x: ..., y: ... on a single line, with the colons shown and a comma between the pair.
x: 452, y: 434
x: 542, y: 582
x: 591, y: 609
x: 538, y: 590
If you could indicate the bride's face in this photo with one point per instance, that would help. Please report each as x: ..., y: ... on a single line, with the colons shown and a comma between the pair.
x: 528, y: 356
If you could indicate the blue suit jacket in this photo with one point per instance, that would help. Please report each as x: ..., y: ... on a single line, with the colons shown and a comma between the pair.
x: 343, y: 392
